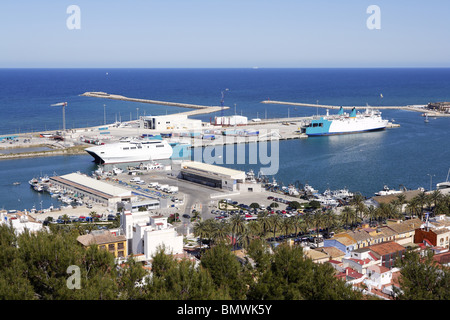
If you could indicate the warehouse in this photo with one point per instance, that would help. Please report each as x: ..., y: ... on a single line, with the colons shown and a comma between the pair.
x: 212, y: 176
x: 93, y: 190
x: 170, y: 122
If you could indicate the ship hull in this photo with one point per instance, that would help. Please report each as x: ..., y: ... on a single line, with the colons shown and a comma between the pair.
x: 130, y: 152
x: 342, y: 124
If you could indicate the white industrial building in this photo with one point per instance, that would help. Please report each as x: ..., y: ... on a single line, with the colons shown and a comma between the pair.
x: 217, y: 177
x: 90, y: 189
x: 146, y: 233
x: 234, y: 120
x: 169, y: 122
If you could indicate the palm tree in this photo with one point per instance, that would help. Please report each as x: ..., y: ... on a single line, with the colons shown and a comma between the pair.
x: 358, y: 202
x: 65, y: 218
x: 201, y: 230
x: 330, y: 220
x: 348, y: 216
x: 319, y: 220
x: 421, y: 199
x: 264, y: 222
x: 274, y: 221
x: 286, y: 225
x: 436, y: 197
x: 237, y: 225
x: 220, y: 231
x: 372, y: 213
x: 401, y: 200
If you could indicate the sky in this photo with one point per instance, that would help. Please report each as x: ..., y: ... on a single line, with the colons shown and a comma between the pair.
x: 224, y: 34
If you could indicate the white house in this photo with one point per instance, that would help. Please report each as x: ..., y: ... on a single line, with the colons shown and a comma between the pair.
x: 20, y: 222
x: 360, y: 260
x: 145, y: 233
x: 378, y: 276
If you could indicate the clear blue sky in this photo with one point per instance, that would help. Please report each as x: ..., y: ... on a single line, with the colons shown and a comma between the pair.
x: 224, y: 33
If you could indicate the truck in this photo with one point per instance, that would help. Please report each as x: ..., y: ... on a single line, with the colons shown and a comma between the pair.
x: 153, y: 184
x: 162, y: 187
x: 171, y: 189
x: 135, y: 179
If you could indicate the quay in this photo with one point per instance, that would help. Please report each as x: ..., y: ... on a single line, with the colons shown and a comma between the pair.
x: 200, y: 109
x: 416, y: 108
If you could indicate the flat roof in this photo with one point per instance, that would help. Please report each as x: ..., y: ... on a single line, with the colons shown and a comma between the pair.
x: 209, y: 168
x: 82, y: 182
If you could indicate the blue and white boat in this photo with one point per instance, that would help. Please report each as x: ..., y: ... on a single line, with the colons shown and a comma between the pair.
x: 344, y: 123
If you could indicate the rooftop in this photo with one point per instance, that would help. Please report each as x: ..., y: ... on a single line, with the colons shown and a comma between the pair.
x: 99, y: 238
x: 213, y: 169
x: 89, y: 184
x: 386, y: 248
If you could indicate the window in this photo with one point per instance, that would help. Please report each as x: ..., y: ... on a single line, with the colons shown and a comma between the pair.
x: 120, y: 245
x: 111, y: 247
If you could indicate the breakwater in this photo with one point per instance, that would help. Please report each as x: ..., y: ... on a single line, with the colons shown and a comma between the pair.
x: 300, y: 104
x: 200, y: 109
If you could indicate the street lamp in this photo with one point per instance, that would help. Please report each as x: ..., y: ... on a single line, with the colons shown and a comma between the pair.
x: 62, y: 104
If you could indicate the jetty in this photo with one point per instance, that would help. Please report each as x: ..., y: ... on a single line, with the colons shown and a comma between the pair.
x: 418, y: 108
x: 199, y: 109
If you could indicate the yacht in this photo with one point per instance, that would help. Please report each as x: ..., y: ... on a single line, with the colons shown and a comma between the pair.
x: 445, y: 184
x: 131, y: 151
x: 386, y: 191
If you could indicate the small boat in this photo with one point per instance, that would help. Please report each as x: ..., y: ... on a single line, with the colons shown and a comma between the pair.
x: 117, y: 170
x: 386, y: 191
x: 309, y: 189
x: 16, y: 183
x: 426, y: 118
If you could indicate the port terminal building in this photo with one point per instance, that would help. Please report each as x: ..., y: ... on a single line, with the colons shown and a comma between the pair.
x: 90, y: 189
x: 169, y: 122
x: 217, y: 177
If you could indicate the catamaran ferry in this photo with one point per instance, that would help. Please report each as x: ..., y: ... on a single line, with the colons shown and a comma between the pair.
x: 131, y: 151
x: 343, y: 123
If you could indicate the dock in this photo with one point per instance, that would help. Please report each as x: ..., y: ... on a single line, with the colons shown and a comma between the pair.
x: 199, y: 109
x: 416, y: 108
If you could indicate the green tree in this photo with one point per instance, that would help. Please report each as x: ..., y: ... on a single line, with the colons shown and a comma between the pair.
x: 422, y: 278
x: 291, y: 276
x: 295, y: 204
x: 172, y: 280
x: 225, y: 270
x: 254, y: 205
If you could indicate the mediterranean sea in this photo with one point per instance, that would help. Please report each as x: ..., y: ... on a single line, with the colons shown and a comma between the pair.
x: 413, y: 155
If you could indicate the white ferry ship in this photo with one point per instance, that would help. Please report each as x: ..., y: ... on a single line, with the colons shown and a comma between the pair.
x: 131, y: 151
x: 344, y: 123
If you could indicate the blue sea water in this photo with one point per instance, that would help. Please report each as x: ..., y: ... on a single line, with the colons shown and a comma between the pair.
x: 362, y: 162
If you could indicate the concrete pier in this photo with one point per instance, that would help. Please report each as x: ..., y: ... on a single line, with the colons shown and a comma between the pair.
x: 200, y: 109
x: 313, y: 105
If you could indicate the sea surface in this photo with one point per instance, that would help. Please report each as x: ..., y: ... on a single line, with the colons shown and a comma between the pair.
x: 415, y: 155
